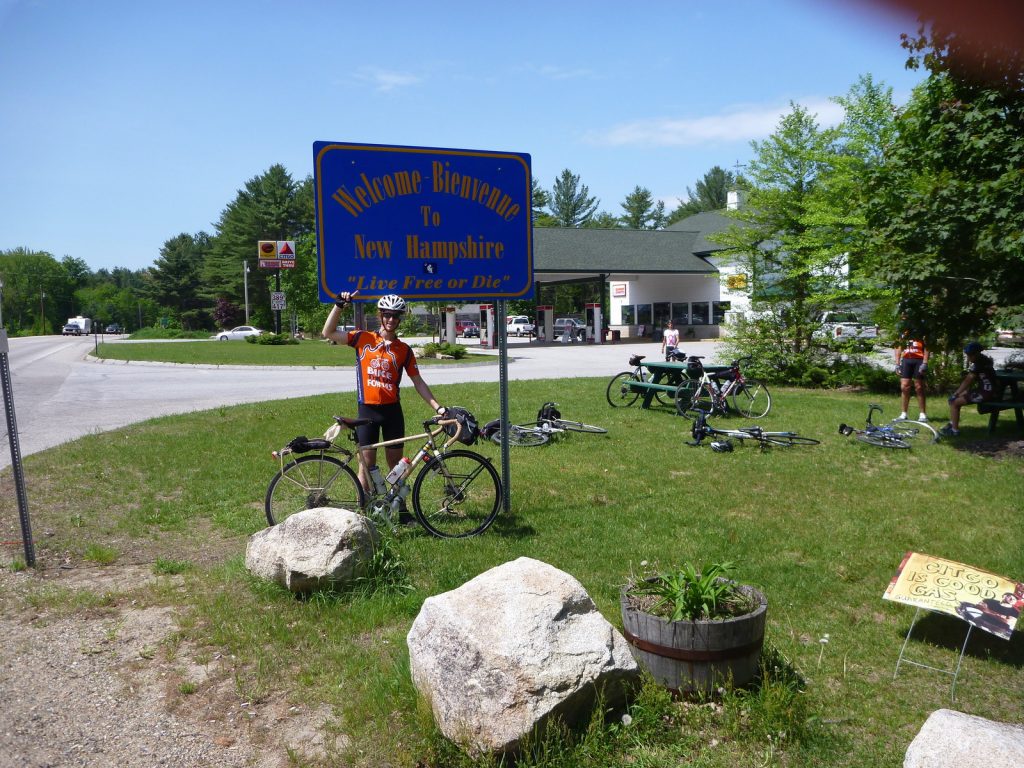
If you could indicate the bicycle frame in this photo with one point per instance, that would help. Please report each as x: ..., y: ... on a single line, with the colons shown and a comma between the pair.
x: 376, y: 502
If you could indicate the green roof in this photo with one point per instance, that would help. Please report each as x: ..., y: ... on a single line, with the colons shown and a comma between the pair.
x: 563, y: 249
x: 704, y: 224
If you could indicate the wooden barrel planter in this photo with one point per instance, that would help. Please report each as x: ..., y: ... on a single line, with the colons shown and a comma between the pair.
x: 697, y: 656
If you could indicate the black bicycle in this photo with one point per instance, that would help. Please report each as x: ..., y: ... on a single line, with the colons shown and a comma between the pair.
x: 621, y: 394
x: 765, y: 439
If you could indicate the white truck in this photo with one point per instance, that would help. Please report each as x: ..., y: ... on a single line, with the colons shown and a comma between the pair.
x: 77, y: 326
x: 846, y: 326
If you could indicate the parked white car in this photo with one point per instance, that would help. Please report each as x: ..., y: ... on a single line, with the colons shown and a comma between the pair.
x: 519, y: 325
x: 237, y: 333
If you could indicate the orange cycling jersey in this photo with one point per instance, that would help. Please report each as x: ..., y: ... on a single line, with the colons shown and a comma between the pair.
x: 913, y: 349
x: 380, y: 364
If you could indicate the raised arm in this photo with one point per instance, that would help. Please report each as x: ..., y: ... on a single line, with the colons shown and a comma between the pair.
x: 330, y: 330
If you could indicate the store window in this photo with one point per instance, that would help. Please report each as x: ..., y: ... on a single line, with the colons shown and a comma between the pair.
x: 628, y: 314
x: 699, y: 312
x: 662, y: 314
x: 681, y: 313
x: 643, y: 314
x: 718, y: 310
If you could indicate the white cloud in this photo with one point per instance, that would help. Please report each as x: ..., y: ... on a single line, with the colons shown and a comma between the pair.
x: 554, y: 72
x: 739, y: 123
x: 383, y: 80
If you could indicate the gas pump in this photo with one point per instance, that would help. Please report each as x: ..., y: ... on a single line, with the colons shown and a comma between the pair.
x: 448, y: 324
x: 545, y: 322
x: 595, y: 324
x: 487, y: 327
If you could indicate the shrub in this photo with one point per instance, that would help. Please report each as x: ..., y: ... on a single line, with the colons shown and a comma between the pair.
x: 433, y: 349
x: 272, y: 339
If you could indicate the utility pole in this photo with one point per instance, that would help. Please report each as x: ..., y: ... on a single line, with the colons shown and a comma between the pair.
x: 245, y: 281
x: 1, y: 302
x: 42, y: 312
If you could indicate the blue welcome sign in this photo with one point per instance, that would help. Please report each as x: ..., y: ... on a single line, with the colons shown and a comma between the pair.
x: 422, y: 222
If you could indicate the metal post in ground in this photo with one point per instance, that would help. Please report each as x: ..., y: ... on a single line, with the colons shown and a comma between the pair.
x: 12, y: 434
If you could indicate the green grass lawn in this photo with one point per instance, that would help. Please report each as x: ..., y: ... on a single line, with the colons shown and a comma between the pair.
x: 820, y: 530
x: 211, y: 352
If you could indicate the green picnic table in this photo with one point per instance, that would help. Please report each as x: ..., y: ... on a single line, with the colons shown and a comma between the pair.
x: 666, y: 377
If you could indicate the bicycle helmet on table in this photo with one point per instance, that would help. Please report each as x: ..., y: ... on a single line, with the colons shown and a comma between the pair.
x: 391, y: 303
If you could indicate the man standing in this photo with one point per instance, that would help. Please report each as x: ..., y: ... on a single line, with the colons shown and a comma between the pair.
x: 911, y: 366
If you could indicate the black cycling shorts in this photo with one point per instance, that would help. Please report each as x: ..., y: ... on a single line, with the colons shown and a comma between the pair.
x: 910, y: 368
x: 387, y: 421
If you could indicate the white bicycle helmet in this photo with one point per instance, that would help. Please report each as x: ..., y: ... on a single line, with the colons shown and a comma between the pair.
x: 392, y: 303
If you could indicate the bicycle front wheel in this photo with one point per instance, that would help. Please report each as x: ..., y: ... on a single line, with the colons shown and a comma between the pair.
x: 456, y: 494
x: 619, y: 393
x: 578, y: 426
x: 310, y: 482
x: 522, y: 436
x: 752, y: 399
x: 882, y: 439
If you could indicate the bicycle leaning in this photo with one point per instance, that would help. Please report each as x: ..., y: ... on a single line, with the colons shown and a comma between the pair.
x: 765, y: 439
x: 457, y: 493
x: 620, y: 394
x: 549, y: 424
x: 896, y: 434
x: 722, y: 392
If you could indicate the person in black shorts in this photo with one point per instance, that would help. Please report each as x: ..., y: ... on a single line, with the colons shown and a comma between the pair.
x: 911, y: 366
x: 979, y: 386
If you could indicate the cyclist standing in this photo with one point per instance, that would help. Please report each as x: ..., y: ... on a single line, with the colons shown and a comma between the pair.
x: 911, y: 366
x: 381, y: 357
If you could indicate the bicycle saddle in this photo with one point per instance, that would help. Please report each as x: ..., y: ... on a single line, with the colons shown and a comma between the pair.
x: 351, y: 423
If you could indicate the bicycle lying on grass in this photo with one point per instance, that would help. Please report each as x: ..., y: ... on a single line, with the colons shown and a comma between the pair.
x: 765, y: 439
x: 705, y: 393
x: 620, y: 394
x: 896, y: 434
x: 456, y: 494
x: 549, y: 424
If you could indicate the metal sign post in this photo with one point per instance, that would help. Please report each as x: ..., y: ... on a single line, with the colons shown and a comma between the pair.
x: 430, y: 224
x: 12, y: 434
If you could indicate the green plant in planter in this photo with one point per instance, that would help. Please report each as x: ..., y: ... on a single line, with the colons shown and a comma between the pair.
x: 687, y: 592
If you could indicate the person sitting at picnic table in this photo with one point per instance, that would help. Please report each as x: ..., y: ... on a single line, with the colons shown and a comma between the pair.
x: 979, y: 386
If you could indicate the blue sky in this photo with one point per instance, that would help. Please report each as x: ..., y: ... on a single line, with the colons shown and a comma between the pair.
x: 127, y: 123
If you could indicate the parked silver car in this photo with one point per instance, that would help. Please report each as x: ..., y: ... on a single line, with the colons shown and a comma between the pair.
x: 237, y: 333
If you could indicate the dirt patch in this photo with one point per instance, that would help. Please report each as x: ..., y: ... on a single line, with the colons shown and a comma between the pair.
x: 995, y: 447
x: 112, y: 684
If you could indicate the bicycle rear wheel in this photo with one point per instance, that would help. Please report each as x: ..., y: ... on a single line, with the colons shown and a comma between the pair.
x: 752, y: 399
x: 787, y: 439
x: 522, y: 436
x: 882, y: 439
x: 619, y: 393
x: 456, y: 494
x: 692, y: 396
x: 908, y: 429
x: 310, y: 482
x: 578, y: 426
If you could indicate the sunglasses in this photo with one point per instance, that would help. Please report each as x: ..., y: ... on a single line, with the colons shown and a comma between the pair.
x: 386, y: 315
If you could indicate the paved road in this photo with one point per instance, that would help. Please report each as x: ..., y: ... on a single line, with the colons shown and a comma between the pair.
x: 60, y: 394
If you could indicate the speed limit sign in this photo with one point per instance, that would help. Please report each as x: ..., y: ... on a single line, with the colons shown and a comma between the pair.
x: 277, y: 300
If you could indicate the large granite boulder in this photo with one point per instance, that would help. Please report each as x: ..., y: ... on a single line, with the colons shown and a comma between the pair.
x: 950, y: 739
x: 313, y: 549
x: 509, y: 650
